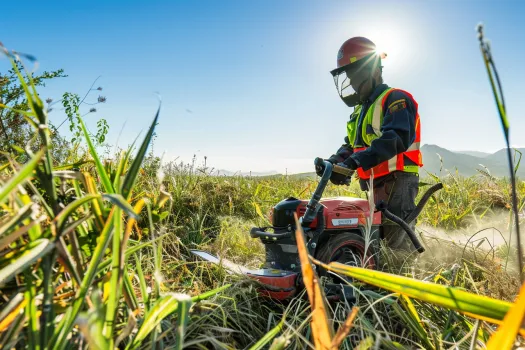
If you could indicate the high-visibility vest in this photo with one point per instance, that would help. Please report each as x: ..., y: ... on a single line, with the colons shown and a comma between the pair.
x: 371, y: 130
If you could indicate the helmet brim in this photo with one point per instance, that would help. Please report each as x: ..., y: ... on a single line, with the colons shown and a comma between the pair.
x: 367, y: 60
x: 339, y: 70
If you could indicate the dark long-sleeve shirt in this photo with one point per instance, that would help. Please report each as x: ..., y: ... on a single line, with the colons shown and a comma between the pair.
x: 398, y: 130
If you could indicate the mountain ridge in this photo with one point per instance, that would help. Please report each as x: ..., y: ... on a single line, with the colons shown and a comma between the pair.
x: 438, y: 160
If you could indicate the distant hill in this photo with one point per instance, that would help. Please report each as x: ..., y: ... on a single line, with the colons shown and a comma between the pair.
x: 311, y: 175
x: 466, y: 164
x: 475, y: 153
x: 245, y: 173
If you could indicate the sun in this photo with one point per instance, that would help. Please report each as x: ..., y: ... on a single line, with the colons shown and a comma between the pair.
x: 388, y: 43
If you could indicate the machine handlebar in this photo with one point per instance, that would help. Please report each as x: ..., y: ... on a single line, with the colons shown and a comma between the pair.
x: 258, y: 233
x: 313, y: 205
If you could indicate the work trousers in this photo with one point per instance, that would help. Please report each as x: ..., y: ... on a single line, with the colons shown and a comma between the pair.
x: 398, y: 190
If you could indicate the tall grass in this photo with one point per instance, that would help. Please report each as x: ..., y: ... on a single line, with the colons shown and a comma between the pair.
x: 65, y: 248
x: 99, y: 257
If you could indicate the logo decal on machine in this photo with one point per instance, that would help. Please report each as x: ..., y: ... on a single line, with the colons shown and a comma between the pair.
x: 344, y: 222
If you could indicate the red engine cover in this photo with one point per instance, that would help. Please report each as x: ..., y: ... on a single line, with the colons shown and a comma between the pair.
x: 280, y: 284
x: 343, y: 212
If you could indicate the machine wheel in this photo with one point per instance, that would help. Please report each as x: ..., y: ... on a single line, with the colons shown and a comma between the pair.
x: 349, y: 249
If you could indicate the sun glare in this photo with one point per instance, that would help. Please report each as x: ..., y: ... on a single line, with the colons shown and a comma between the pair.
x: 389, y: 43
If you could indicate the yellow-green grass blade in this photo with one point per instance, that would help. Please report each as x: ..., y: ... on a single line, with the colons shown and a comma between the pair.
x: 11, y: 313
x: 210, y: 293
x: 142, y: 284
x: 183, y: 318
x: 116, y: 199
x: 505, y: 336
x: 38, y: 249
x: 23, y: 83
x: 108, y: 187
x: 72, y: 165
x: 131, y: 250
x: 131, y: 297
x: 4, y: 166
x: 61, y: 218
x: 40, y: 199
x: 163, y: 307
x: 268, y: 336
x: 114, y: 296
x: 46, y: 174
x: 449, y: 297
x: 133, y: 171
x: 17, y: 302
x: 119, y: 201
x: 16, y: 220
x: 67, y: 260
x: 21, y: 176
x: 31, y: 311
x: 413, y: 325
x: 91, y: 325
x: 64, y: 328
x: 122, y: 167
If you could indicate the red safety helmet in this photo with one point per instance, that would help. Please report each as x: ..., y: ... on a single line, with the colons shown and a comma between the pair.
x: 354, y: 55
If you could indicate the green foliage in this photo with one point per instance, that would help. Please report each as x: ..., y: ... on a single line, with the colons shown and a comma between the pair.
x: 42, y: 253
x: 16, y: 131
x: 71, y: 103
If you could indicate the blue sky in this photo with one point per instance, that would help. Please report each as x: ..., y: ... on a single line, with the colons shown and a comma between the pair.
x: 247, y: 83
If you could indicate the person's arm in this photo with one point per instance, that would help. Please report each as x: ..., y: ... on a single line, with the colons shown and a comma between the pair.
x: 398, y: 132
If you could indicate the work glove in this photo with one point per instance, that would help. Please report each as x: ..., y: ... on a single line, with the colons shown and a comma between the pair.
x: 340, y: 179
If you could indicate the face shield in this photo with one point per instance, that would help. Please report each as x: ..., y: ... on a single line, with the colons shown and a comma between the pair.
x: 347, y: 84
x: 349, y: 79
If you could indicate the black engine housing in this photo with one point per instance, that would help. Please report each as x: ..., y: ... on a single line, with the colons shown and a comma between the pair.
x: 283, y: 212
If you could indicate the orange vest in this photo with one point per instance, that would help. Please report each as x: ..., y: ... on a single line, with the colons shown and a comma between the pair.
x: 396, y: 163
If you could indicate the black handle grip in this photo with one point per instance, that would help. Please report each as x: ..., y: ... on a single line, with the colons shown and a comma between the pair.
x: 256, y: 232
x: 320, y: 162
x: 313, y: 205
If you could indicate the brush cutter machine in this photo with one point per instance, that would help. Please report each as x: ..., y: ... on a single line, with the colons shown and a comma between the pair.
x: 335, y: 230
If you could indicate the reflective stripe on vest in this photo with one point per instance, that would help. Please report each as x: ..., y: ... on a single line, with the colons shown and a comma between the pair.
x: 374, y: 120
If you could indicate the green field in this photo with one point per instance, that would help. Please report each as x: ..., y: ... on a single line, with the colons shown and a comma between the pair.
x: 95, y: 253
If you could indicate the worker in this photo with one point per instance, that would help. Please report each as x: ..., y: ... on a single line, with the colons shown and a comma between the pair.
x: 383, y: 135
